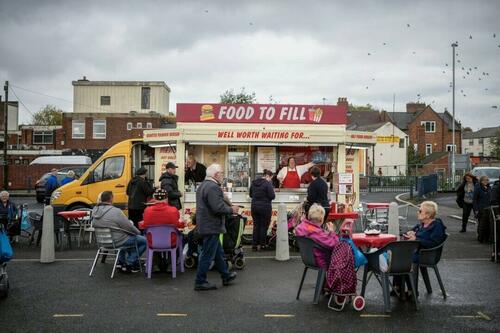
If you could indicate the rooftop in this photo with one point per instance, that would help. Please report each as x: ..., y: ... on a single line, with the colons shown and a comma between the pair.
x: 487, y: 132
x: 85, y: 82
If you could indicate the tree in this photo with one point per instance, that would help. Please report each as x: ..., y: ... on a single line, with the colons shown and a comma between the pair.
x: 413, y: 159
x: 230, y: 97
x: 367, y: 107
x: 49, y: 115
x: 495, y: 145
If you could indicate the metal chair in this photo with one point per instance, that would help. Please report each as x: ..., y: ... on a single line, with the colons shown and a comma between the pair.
x: 107, y: 247
x: 403, y: 217
x: 495, y: 211
x: 430, y: 258
x: 306, y: 247
x: 85, y: 225
x: 400, y: 263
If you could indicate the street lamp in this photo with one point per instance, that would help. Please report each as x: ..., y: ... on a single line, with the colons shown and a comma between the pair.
x: 453, y: 46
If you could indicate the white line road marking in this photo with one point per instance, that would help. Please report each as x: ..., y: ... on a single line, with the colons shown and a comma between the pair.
x: 480, y: 315
x: 171, y: 314
x: 460, y: 218
x: 67, y: 315
x: 367, y: 315
x: 279, y: 315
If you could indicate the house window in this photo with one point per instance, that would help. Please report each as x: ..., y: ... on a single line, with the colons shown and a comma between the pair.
x: 99, y: 129
x: 139, y: 125
x: 78, y: 129
x: 430, y: 126
x: 149, y: 125
x: 480, y: 141
x: 105, y: 100
x: 43, y: 137
x: 451, y: 148
x: 402, y: 143
x: 471, y: 142
x: 428, y: 149
x: 145, y: 97
x: 129, y: 126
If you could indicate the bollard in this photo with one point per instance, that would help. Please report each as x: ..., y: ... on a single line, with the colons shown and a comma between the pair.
x: 47, y: 252
x: 282, y: 248
x: 393, y: 219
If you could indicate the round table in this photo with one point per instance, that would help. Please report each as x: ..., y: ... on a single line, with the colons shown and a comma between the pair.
x: 370, y: 241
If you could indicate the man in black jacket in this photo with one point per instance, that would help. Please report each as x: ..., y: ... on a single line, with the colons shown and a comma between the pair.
x: 211, y: 207
x: 168, y: 182
x: 195, y: 172
x: 138, y: 191
x: 317, y: 192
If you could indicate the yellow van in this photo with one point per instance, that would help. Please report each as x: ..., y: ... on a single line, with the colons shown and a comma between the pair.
x: 111, y: 172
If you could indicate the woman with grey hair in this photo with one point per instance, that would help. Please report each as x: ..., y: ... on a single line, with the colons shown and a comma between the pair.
x: 8, y: 210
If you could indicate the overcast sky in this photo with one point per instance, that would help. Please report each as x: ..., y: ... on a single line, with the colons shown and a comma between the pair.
x: 296, y: 51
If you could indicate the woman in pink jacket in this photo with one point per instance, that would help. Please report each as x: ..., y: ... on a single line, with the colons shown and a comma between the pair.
x: 312, y: 229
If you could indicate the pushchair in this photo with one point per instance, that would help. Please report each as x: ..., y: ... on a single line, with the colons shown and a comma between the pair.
x: 294, y: 217
x: 5, y: 256
x: 231, y: 243
x: 341, y: 279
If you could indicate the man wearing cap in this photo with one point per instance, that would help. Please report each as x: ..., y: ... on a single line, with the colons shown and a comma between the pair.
x: 138, y: 190
x: 168, y: 182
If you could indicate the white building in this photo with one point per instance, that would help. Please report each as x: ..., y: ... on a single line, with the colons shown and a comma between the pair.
x: 479, y: 143
x: 389, y: 154
x: 120, y: 96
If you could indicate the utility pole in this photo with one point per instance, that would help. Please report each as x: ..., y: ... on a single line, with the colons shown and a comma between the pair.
x: 453, y: 125
x: 5, y: 140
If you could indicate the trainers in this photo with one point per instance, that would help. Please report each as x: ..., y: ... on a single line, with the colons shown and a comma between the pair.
x: 205, y: 286
x: 227, y: 281
x: 133, y: 269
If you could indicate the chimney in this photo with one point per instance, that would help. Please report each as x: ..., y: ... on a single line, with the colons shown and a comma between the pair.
x: 342, y: 101
x: 414, y: 107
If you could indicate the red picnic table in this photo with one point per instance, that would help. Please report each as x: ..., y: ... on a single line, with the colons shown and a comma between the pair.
x: 370, y: 241
x: 76, y: 217
x: 377, y: 205
x: 338, y: 218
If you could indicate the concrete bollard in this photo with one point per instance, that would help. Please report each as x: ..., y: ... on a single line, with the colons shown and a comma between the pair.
x: 47, y: 252
x: 393, y: 219
x: 282, y: 248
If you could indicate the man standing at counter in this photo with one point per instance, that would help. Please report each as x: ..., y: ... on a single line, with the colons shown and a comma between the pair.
x: 289, y: 176
x: 210, y: 211
x: 195, y: 171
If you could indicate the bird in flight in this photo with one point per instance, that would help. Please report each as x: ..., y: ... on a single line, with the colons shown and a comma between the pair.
x: 408, y: 25
x: 470, y: 37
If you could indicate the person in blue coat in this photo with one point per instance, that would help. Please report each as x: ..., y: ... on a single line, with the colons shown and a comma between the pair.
x: 262, y: 194
x: 69, y: 178
x: 50, y: 185
x: 8, y: 210
x: 481, y: 205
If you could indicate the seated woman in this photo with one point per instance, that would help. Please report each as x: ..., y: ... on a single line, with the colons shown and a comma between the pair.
x: 430, y: 232
x: 312, y: 229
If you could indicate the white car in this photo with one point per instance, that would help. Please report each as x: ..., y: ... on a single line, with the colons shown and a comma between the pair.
x: 493, y: 173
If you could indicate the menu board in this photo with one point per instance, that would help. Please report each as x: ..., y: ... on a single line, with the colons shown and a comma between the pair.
x: 344, y: 183
x: 266, y: 159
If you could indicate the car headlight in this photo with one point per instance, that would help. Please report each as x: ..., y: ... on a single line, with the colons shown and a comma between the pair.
x: 55, y: 195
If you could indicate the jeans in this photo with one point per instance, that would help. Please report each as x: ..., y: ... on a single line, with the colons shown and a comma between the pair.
x: 261, y: 219
x: 210, y: 251
x: 465, y: 215
x: 129, y: 256
x: 136, y: 216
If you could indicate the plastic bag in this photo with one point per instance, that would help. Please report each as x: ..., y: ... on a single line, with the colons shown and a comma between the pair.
x: 25, y: 224
x: 359, y: 257
x: 384, y: 261
x: 6, y: 252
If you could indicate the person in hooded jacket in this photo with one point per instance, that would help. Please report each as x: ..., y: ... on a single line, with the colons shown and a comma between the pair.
x: 481, y: 206
x: 138, y: 190
x: 168, y: 182
x: 262, y: 194
x: 465, y: 197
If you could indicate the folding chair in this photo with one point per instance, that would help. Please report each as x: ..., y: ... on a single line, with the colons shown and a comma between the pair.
x: 430, y: 258
x: 306, y: 247
x: 106, y: 247
x: 400, y: 263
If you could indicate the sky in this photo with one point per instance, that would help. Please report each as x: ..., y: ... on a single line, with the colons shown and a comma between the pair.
x: 298, y: 52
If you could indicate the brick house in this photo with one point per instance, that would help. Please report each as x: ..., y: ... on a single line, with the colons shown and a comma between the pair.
x: 428, y: 131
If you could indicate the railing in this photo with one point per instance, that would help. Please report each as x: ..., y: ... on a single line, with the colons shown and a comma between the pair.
x: 427, y: 185
x: 387, y: 184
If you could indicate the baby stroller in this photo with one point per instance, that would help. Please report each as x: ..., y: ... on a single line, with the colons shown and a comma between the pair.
x: 231, y: 243
x: 341, y: 277
x: 294, y: 217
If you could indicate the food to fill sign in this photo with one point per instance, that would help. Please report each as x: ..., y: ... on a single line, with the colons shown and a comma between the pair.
x: 262, y: 113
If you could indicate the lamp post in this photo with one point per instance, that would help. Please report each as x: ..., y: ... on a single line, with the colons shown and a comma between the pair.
x: 453, y: 46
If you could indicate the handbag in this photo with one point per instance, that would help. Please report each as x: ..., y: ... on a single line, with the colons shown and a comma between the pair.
x: 6, y: 252
x: 359, y: 257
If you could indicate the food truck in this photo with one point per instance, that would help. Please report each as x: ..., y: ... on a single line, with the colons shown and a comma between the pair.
x: 246, y: 139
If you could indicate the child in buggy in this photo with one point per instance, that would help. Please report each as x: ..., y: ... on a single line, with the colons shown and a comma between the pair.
x: 294, y: 218
x: 231, y: 243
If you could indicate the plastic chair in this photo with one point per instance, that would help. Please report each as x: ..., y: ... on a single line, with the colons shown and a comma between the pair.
x: 430, y: 258
x: 107, y: 247
x: 306, y: 247
x: 159, y: 240
x: 399, y: 264
x: 346, y: 227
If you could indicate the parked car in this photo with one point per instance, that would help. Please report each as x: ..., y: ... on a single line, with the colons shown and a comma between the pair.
x: 61, y: 174
x: 491, y: 172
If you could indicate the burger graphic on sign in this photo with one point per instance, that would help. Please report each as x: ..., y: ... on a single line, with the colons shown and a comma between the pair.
x: 207, y: 113
x: 315, y: 114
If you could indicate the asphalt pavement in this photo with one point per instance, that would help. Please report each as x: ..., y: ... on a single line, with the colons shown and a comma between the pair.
x: 61, y: 296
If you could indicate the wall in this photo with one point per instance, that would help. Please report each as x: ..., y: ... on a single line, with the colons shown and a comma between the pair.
x: 388, y: 155
x: 476, y: 148
x: 87, y: 99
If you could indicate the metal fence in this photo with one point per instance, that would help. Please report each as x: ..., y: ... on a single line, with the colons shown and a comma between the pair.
x: 427, y: 185
x: 396, y: 184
